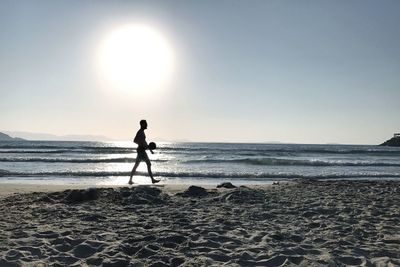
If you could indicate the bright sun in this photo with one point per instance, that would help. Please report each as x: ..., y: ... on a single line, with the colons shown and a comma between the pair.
x: 136, y: 57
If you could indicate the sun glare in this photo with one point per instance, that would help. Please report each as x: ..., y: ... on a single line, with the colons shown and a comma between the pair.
x: 136, y: 57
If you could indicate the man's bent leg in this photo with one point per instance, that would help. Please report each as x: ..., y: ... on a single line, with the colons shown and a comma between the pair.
x: 133, y: 171
x: 150, y: 173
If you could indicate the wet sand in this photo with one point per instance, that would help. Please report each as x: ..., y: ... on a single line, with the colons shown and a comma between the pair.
x: 340, y: 223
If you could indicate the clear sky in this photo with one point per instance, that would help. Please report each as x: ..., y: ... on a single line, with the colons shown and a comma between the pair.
x: 243, y: 71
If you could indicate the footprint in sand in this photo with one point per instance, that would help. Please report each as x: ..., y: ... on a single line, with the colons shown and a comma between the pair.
x: 84, y: 251
x: 46, y: 234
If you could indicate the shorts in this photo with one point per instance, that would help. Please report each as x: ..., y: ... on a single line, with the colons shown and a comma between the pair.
x: 142, y: 156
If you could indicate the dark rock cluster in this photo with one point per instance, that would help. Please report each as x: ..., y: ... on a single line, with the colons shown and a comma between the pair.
x: 226, y: 185
x: 143, y: 195
x: 194, y: 191
x: 124, y: 196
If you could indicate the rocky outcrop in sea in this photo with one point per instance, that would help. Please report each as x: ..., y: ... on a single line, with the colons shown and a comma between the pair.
x: 395, y: 141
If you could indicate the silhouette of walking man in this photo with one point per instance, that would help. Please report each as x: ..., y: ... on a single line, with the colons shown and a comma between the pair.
x: 140, y: 140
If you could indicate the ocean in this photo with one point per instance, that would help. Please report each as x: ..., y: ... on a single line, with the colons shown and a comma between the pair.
x: 209, y: 163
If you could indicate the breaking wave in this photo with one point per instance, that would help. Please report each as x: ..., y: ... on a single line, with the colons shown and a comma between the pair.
x: 295, y: 162
x: 69, y: 160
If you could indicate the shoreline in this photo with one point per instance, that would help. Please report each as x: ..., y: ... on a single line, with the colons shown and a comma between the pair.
x: 10, y: 187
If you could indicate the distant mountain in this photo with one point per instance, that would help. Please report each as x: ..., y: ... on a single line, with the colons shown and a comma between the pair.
x: 53, y: 137
x: 6, y: 137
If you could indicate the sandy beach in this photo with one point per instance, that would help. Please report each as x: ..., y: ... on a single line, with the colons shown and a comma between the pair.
x: 339, y: 223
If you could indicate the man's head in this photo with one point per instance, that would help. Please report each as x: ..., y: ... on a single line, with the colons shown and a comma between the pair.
x: 143, y: 124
